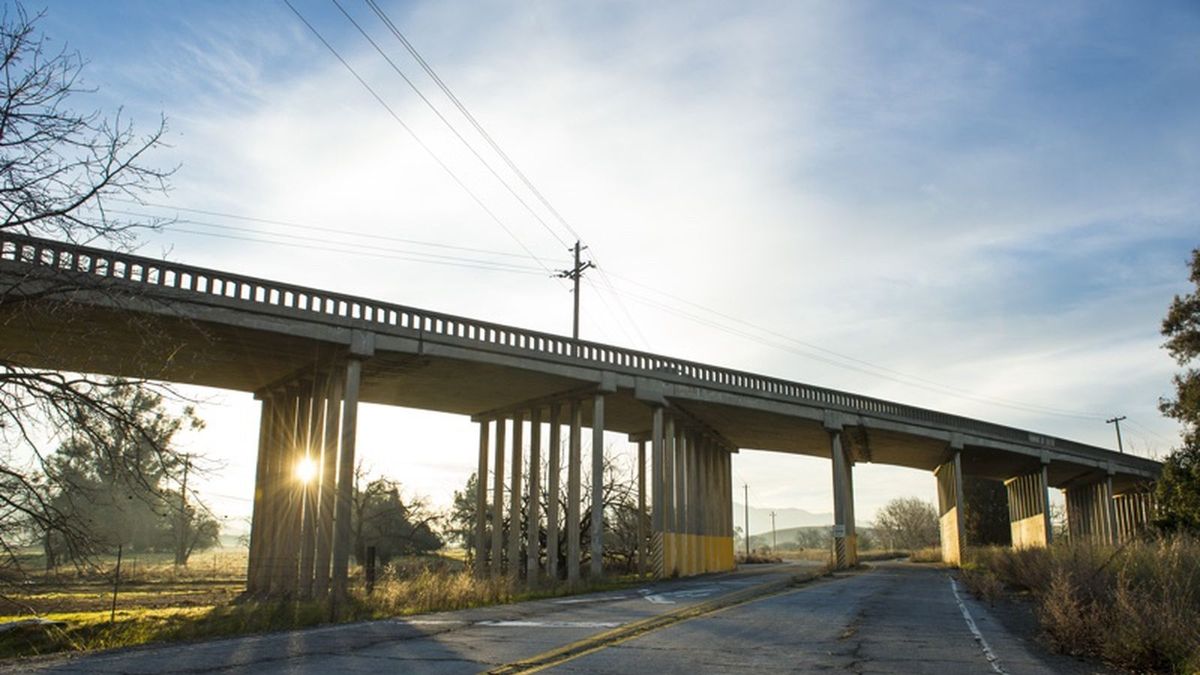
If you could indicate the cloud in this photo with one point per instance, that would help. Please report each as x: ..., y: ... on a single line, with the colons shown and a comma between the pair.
x: 999, y: 201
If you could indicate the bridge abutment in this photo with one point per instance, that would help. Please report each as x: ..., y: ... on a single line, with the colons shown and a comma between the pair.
x: 950, y: 508
x: 1029, y: 510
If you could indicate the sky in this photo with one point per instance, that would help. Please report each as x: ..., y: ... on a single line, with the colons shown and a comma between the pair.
x: 980, y: 208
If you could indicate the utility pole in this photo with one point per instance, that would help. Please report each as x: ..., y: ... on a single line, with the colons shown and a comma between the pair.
x: 574, y: 274
x: 774, y: 544
x: 746, y: 498
x: 1117, y: 422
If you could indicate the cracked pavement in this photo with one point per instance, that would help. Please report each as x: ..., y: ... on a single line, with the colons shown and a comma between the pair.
x: 893, y: 618
x: 466, y: 641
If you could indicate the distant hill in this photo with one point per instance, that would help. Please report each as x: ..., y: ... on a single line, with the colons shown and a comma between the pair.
x: 760, y: 519
x: 817, y: 536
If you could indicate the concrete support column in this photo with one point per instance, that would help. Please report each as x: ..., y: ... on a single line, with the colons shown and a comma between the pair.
x: 328, y: 492
x: 681, y: 500
x: 1133, y: 514
x: 1110, y: 511
x: 657, y: 492
x: 950, y: 506
x: 844, y: 539
x: 312, y: 485
x: 258, y: 518
x: 481, y: 503
x: 275, y: 501
x: 574, y: 469
x: 289, y: 554
x: 641, y: 512
x: 1029, y: 510
x: 1090, y: 512
x: 533, y: 530
x: 727, y: 490
x: 696, y: 504
x: 515, y: 489
x: 670, y: 500
x: 497, y: 564
x: 345, y: 479
x: 1075, y: 515
x: 698, y: 447
x: 554, y: 492
x: 596, y: 569
x: 707, y: 512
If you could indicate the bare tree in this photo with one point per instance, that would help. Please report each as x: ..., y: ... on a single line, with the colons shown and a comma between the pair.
x: 59, y: 168
x: 618, y: 499
x: 907, y: 523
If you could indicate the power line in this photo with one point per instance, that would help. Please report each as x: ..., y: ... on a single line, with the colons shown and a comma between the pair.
x: 364, y: 253
x: 470, y: 118
x: 313, y: 228
x: 449, y: 126
x: 608, y: 308
x: 1150, y: 431
x: 621, y: 304
x: 928, y: 386
x: 422, y: 255
x: 1029, y: 407
x: 414, y: 136
x: 487, y: 137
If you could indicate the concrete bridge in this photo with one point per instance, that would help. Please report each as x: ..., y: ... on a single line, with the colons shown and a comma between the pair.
x: 311, y: 356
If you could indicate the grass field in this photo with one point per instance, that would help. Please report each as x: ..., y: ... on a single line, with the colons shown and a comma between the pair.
x: 158, y: 603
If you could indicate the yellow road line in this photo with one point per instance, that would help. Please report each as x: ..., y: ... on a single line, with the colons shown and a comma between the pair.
x: 629, y: 631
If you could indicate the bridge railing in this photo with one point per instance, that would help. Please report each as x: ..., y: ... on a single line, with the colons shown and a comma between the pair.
x: 254, y: 292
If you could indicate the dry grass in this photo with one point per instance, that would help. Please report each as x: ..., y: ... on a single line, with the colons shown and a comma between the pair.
x: 983, y: 584
x: 820, y: 555
x: 873, y: 555
x: 757, y: 557
x: 932, y: 554
x: 409, y: 586
x: 1136, y: 606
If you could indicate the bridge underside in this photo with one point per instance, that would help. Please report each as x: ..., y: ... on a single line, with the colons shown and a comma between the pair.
x: 166, y: 346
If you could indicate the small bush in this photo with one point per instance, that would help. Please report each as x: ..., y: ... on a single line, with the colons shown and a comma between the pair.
x: 983, y: 584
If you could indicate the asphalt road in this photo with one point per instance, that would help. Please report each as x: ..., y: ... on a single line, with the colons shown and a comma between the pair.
x: 893, y: 618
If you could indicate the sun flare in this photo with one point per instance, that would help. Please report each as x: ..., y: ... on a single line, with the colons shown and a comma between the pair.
x: 306, y: 470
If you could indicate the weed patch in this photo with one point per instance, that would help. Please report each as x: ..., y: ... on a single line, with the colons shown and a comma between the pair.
x: 1136, y: 606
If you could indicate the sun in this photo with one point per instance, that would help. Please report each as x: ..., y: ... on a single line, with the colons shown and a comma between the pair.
x: 306, y: 470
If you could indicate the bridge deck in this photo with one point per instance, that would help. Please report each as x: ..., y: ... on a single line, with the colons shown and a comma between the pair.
x: 136, y: 316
